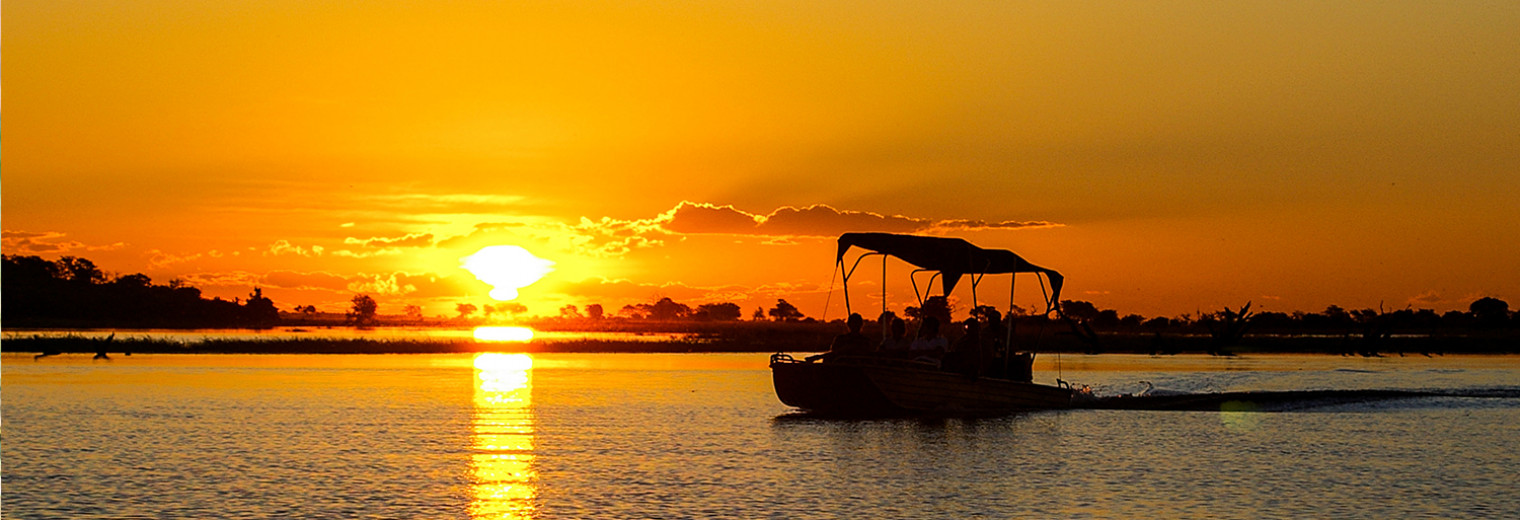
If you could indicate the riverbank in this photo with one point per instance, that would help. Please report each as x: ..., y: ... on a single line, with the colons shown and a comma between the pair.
x: 802, y: 340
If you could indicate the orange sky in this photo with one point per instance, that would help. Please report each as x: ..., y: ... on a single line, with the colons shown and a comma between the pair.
x: 1172, y: 156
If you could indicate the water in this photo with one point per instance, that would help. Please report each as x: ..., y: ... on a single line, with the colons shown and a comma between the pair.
x: 703, y: 436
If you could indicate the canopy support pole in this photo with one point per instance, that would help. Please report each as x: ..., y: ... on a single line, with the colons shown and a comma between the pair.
x: 851, y: 272
x: 976, y: 278
x: 927, y: 286
x: 1008, y: 345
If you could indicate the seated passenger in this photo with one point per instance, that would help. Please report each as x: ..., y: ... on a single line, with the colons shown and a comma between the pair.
x: 849, y: 343
x: 896, y: 344
x: 966, y: 357
x: 994, y: 344
x: 929, y: 345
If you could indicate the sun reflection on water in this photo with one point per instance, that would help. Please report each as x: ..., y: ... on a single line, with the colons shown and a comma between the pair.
x: 505, y: 483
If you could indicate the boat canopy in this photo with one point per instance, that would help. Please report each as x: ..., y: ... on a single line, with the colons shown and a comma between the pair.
x: 952, y: 257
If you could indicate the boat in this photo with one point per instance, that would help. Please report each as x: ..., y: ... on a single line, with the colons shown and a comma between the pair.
x: 881, y: 385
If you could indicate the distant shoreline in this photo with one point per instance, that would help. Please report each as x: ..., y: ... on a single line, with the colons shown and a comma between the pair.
x: 1105, y: 344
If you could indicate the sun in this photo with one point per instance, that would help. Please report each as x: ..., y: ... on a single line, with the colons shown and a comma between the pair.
x: 506, y: 269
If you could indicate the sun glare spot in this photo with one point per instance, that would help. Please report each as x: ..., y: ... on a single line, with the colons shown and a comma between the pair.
x: 517, y: 334
x: 506, y: 269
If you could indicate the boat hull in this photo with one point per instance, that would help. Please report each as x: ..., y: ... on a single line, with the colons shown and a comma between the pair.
x: 882, y: 386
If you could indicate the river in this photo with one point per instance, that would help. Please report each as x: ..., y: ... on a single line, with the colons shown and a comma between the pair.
x: 703, y: 436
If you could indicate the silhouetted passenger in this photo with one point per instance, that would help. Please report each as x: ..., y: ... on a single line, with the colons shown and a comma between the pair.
x: 849, y: 343
x: 929, y: 345
x: 885, y: 320
x: 994, y: 344
x: 896, y: 343
x: 966, y: 356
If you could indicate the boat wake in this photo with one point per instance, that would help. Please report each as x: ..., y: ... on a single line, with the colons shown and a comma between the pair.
x: 1279, y: 401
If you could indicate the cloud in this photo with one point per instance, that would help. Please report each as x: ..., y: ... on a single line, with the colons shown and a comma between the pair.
x: 818, y: 220
x: 410, y: 240
x: 304, y: 281
x: 824, y: 220
x: 366, y: 254
x: 284, y: 247
x: 204, y: 280
x: 615, y: 293
x: 979, y: 225
x: 158, y: 259
x: 611, y: 237
x: 1430, y: 297
x: 601, y: 290
x: 401, y: 283
x: 30, y: 242
x: 378, y: 284
x: 692, y: 217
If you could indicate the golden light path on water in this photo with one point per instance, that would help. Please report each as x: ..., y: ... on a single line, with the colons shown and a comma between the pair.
x: 502, y: 463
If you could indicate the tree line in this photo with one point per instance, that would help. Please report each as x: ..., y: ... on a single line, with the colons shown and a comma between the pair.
x: 73, y: 292
x: 666, y: 309
x: 1483, y: 313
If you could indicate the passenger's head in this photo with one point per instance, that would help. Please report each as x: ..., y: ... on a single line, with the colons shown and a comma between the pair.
x: 930, y: 328
x: 854, y: 322
x: 992, y: 316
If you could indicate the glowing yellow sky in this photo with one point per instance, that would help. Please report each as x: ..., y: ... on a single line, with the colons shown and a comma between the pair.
x: 1188, y: 154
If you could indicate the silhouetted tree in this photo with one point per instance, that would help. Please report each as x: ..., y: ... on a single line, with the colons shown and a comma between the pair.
x: 260, y: 311
x: 1078, y: 316
x: 511, y: 308
x: 465, y: 310
x: 936, y: 306
x: 784, y: 311
x: 1376, y: 326
x: 80, y: 271
x: 758, y: 315
x: 1336, y: 316
x: 413, y: 313
x: 1456, y: 319
x: 1106, y: 319
x: 73, y: 292
x: 718, y: 311
x: 1227, y: 327
x: 1489, y: 312
x: 362, y: 310
x: 630, y: 311
x: 570, y: 312
x: 983, y: 310
x: 1079, y: 310
x: 133, y: 282
x: 594, y: 311
x: 666, y: 309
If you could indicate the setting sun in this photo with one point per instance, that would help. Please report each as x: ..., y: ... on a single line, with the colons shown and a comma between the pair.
x: 506, y: 269
x: 503, y: 334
